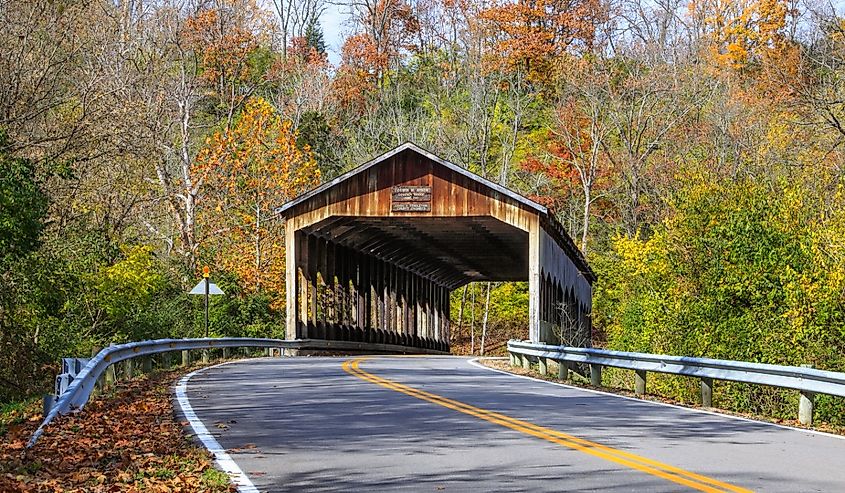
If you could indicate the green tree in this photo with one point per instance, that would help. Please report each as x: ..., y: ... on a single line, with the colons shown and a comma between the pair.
x: 314, y: 36
x: 22, y: 205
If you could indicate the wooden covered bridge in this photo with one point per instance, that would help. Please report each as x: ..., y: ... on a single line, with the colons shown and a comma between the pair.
x: 373, y: 255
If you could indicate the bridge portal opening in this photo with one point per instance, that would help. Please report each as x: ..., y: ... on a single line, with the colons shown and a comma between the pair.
x: 373, y: 255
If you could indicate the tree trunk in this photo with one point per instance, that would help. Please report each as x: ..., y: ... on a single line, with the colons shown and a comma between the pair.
x: 586, y: 221
x: 257, y: 247
x: 472, y: 324
x: 484, y: 323
x: 461, y: 313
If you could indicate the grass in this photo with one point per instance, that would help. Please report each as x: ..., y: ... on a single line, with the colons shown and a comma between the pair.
x: 214, y: 478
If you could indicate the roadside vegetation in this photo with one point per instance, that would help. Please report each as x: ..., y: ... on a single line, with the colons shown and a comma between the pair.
x: 693, y: 150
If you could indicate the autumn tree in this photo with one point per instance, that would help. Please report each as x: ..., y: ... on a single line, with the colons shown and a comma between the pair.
x: 225, y: 41
x: 384, y: 29
x: 742, y: 32
x: 530, y: 35
x: 250, y: 170
x: 574, y: 159
x: 299, y: 83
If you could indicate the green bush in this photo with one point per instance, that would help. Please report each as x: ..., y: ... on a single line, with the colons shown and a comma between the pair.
x: 738, y: 271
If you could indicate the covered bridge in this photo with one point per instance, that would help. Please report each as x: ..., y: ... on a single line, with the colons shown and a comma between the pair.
x: 373, y: 255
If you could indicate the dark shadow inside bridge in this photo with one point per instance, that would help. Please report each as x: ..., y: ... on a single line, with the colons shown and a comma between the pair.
x: 388, y: 280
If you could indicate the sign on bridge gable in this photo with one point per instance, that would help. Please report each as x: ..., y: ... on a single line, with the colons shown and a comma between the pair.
x: 410, y: 198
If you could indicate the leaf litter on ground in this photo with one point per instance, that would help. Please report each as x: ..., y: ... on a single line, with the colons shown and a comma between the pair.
x: 127, y: 439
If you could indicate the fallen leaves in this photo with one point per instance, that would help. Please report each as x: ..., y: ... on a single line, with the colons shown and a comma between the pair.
x: 128, y: 440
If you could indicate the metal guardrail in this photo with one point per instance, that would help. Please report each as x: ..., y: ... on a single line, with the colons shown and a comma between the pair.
x: 79, y: 391
x: 808, y: 381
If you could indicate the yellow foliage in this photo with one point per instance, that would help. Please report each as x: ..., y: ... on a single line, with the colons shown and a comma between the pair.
x: 250, y: 170
x: 638, y: 256
x: 742, y: 31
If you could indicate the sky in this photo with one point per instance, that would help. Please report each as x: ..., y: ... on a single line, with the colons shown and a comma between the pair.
x: 335, y: 24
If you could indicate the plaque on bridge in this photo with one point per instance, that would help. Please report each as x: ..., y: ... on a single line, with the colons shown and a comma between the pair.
x: 411, y: 198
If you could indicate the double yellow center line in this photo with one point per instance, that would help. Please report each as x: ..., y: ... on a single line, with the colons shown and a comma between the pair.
x: 655, y: 468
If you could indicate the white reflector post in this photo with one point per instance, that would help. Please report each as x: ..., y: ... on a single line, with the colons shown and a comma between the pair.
x: 212, y: 289
x: 208, y: 289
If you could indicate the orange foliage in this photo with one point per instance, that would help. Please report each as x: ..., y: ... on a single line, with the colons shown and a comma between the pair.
x: 532, y: 34
x: 569, y: 158
x: 387, y: 28
x: 359, y: 72
x: 224, y: 47
x: 251, y: 169
x: 300, y: 52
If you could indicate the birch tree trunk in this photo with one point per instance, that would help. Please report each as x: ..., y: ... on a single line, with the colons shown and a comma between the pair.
x: 484, y: 323
x: 472, y: 324
x: 461, y: 312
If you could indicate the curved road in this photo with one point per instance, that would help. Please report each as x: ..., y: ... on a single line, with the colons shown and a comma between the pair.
x: 443, y: 424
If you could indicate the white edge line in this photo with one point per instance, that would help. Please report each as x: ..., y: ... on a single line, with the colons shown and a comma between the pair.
x: 224, y: 460
x: 474, y: 362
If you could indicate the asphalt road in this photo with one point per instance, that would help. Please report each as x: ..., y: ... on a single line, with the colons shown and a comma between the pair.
x: 442, y: 424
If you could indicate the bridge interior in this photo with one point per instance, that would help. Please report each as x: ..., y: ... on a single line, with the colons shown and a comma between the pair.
x: 388, y: 280
x: 374, y: 255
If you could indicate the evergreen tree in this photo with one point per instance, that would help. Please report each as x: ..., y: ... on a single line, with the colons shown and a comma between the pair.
x: 314, y: 36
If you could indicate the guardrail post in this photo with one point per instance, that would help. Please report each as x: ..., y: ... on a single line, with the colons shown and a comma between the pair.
x: 563, y: 370
x: 98, y: 385
x: 205, y: 355
x: 225, y: 353
x: 707, y: 392
x: 805, y: 405
x: 526, y: 363
x: 805, y: 408
x: 544, y: 366
x: 186, y: 357
x: 147, y: 364
x: 110, y: 376
x: 595, y: 375
x: 129, y: 368
x: 269, y: 351
x: 639, y: 382
x: 511, y: 358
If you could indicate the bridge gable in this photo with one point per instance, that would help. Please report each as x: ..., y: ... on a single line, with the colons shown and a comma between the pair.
x: 368, y: 191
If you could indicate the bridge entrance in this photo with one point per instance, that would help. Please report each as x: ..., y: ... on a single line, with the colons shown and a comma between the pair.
x: 373, y: 255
